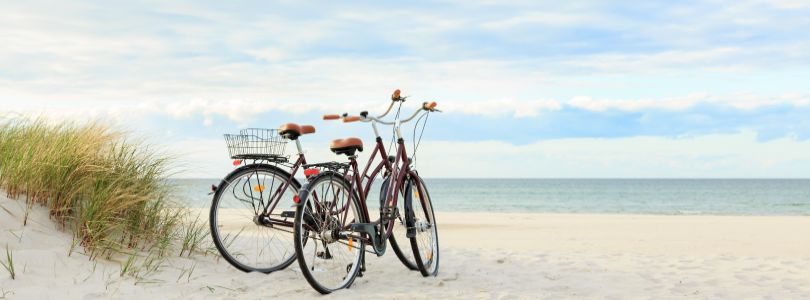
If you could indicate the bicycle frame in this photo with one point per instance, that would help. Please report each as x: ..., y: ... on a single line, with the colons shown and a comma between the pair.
x: 399, y: 177
x: 396, y: 177
x: 276, y: 198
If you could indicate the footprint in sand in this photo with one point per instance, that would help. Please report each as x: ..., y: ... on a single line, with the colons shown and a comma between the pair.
x: 552, y: 277
x: 454, y: 278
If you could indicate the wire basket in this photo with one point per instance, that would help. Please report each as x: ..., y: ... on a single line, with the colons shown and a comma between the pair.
x: 256, y: 143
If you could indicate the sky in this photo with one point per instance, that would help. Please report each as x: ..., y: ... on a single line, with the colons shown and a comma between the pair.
x: 536, y: 89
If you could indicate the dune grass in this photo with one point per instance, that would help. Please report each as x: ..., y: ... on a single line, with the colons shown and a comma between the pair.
x: 109, y: 190
x: 193, y: 235
x: 8, y: 264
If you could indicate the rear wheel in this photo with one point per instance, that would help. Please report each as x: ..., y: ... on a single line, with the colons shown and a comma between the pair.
x: 329, y: 253
x: 247, y: 238
x: 425, y: 238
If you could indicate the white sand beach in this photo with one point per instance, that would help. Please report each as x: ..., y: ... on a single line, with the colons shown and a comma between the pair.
x: 484, y: 256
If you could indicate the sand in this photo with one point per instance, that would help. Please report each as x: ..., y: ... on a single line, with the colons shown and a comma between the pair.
x: 484, y: 256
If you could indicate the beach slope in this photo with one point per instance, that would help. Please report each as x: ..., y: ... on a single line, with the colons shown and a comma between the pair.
x: 501, y: 256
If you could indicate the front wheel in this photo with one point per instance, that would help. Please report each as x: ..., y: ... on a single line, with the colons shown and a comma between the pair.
x: 398, y: 234
x: 422, y: 227
x: 329, y: 252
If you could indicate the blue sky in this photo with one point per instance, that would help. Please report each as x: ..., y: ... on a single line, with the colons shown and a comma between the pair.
x: 529, y: 88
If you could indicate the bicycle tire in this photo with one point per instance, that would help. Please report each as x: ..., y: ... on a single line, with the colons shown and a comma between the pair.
x: 408, y: 261
x: 423, y: 213
x: 304, y: 215
x: 221, y: 242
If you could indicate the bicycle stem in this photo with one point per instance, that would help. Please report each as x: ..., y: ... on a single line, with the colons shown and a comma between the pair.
x: 396, y: 123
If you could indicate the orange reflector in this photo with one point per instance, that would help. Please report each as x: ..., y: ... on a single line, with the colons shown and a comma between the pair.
x: 311, y: 172
x: 296, y: 199
x: 429, y: 255
x: 350, y: 243
x: 237, y: 162
x: 259, y: 188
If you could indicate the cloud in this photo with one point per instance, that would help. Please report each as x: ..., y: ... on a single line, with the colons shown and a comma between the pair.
x: 502, y: 107
x: 718, y: 155
x: 510, y: 120
x: 737, y: 155
x: 736, y: 101
x: 537, y: 18
x: 516, y: 72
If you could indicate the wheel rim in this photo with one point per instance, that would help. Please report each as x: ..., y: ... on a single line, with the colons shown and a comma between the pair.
x: 330, y: 259
x: 426, y: 242
x: 245, y: 238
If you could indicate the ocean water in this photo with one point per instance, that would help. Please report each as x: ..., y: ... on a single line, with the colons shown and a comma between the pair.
x: 625, y: 196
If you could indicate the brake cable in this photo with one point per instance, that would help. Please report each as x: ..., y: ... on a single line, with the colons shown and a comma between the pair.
x: 418, y: 141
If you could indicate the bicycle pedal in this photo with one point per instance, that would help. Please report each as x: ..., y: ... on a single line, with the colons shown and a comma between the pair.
x: 411, y: 233
x: 388, y: 213
x: 288, y: 214
x: 324, y: 255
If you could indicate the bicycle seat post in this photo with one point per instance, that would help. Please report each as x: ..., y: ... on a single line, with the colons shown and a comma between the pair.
x: 298, y: 145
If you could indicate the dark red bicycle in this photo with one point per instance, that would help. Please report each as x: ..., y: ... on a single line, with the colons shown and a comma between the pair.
x: 333, y: 225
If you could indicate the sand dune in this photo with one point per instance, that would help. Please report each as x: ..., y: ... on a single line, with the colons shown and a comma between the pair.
x: 484, y: 256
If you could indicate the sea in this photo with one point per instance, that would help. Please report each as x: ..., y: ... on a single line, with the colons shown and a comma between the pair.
x: 755, y: 197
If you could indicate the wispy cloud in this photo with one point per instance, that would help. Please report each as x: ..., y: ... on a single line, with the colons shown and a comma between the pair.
x: 519, y: 72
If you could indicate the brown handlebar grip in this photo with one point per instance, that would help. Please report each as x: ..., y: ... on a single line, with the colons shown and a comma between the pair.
x: 396, y: 95
x: 428, y: 106
x: 331, y: 117
x: 351, y: 119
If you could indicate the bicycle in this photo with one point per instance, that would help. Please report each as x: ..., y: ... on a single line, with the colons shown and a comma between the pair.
x: 249, y: 225
x: 331, y: 209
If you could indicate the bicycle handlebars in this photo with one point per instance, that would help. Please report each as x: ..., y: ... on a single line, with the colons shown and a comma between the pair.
x: 395, y: 97
x: 429, y: 107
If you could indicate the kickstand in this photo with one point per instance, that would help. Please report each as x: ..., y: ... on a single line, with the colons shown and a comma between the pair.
x: 362, y: 264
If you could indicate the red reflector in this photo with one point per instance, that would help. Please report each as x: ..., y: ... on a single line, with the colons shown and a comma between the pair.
x: 311, y: 172
x: 237, y: 162
x: 296, y: 199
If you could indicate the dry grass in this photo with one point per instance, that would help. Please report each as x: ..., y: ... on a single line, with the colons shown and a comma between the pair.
x: 110, y: 191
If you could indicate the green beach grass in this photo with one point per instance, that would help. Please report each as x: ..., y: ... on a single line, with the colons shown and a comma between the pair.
x: 108, y: 190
